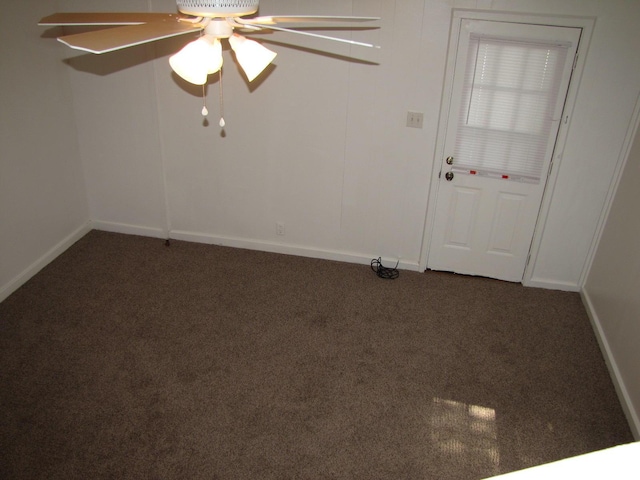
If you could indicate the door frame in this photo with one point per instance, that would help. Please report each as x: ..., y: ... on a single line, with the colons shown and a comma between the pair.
x: 586, y: 24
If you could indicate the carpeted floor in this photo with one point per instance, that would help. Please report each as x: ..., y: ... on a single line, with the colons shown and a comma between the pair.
x: 125, y: 358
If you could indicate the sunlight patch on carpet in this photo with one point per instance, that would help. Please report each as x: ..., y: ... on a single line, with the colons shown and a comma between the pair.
x: 466, y: 432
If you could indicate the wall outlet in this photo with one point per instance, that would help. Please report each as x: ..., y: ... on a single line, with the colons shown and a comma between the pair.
x: 414, y: 119
x: 280, y: 228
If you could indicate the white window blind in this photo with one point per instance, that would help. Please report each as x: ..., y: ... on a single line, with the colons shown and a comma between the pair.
x: 508, y: 102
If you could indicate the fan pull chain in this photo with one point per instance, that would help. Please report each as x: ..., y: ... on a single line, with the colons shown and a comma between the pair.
x: 222, y: 122
x: 205, y: 111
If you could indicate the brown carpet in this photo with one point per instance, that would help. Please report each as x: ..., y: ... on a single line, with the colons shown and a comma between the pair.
x: 125, y: 358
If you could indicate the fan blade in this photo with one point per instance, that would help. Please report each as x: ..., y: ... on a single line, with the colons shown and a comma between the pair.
x: 275, y: 19
x: 97, y: 19
x: 309, y: 34
x: 103, y: 41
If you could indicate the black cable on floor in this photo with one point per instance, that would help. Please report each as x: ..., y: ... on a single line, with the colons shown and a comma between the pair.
x: 384, y: 272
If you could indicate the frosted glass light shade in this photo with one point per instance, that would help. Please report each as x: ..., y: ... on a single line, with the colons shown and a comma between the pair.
x: 213, y: 59
x: 252, y: 57
x: 197, y: 60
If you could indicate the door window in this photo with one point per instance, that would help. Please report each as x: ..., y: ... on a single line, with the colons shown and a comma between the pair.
x: 509, y: 100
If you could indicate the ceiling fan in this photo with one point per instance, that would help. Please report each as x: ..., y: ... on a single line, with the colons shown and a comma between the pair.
x: 214, y: 19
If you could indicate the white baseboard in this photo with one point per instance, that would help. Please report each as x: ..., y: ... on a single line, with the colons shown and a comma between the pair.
x: 551, y: 285
x: 129, y: 229
x: 623, y: 394
x: 287, y: 249
x: 43, y: 261
x: 357, y: 258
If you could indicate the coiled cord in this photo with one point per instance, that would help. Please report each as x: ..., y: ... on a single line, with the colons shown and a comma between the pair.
x: 384, y: 272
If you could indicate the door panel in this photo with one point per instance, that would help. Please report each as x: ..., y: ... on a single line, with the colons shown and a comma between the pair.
x: 461, y: 216
x: 508, y: 90
x: 509, y: 208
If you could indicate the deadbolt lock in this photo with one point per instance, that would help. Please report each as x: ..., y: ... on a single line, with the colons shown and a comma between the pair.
x: 449, y: 160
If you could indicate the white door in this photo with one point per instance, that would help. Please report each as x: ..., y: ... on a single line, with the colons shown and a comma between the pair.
x: 509, y: 87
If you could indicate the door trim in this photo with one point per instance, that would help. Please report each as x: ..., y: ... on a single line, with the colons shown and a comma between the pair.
x: 586, y: 24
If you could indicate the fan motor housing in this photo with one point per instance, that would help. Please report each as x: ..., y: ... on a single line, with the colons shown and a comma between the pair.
x: 218, y: 8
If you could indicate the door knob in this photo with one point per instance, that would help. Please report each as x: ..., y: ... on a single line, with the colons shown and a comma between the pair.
x: 448, y: 176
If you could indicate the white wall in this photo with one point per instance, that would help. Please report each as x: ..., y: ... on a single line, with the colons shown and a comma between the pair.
x: 611, y: 290
x: 114, y: 99
x: 318, y: 144
x: 43, y: 205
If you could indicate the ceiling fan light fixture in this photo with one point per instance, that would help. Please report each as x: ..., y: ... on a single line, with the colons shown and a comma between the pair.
x: 214, y: 19
x: 252, y: 57
x: 198, y: 59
